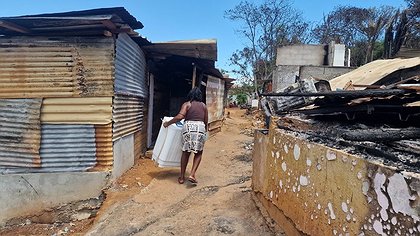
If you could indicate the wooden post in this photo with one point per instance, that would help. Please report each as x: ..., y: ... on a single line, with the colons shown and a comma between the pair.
x: 194, y: 75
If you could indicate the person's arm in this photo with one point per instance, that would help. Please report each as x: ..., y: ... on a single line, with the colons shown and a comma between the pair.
x: 180, y: 116
x: 206, y: 117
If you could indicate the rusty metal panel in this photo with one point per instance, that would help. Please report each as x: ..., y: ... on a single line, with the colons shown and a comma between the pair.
x: 127, y: 115
x: 35, y: 67
x: 104, y: 151
x: 89, y: 110
x: 130, y: 68
x: 72, y: 148
x: 20, y: 132
x: 214, y: 98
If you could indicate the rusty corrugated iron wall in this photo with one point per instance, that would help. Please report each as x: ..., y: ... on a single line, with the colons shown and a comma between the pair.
x: 88, y: 110
x: 127, y: 115
x: 104, y: 152
x: 40, y: 67
x: 20, y: 132
x: 72, y: 78
x: 130, y: 87
x: 71, y: 148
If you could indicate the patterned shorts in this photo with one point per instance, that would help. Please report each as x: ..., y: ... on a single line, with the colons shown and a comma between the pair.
x: 193, y: 136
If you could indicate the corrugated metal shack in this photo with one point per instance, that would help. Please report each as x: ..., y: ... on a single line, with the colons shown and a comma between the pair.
x: 77, y: 90
x: 175, y: 67
x: 72, y: 86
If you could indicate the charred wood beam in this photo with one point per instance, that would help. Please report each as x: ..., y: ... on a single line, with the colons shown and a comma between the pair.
x: 344, y: 93
x: 394, y: 85
x: 403, y: 111
x: 407, y: 146
x: 381, y: 135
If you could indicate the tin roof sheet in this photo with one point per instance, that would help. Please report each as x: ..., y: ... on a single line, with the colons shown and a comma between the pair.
x: 86, y: 22
x: 373, y: 72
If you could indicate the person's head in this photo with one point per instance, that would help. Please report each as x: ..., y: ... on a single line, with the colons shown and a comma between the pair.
x: 195, y: 95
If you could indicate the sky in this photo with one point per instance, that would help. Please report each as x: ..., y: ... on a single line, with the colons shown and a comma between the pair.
x: 167, y: 20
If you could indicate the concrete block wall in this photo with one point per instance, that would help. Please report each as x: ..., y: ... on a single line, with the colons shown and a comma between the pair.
x: 311, y: 189
x: 322, y: 72
x: 302, y: 55
x: 284, y: 76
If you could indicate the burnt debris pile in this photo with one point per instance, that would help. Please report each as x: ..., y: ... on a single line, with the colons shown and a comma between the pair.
x: 373, y: 111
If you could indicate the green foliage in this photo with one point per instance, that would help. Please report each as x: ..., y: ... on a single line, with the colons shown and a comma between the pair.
x: 378, y: 50
x: 241, y: 99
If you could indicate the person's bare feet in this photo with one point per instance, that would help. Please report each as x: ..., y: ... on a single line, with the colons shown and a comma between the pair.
x: 181, y: 180
x: 192, y: 180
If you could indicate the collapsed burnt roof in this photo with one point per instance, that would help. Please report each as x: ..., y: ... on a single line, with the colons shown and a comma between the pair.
x: 375, y: 114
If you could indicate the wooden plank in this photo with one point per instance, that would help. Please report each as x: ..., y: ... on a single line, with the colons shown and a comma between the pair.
x: 409, y: 86
x: 194, y: 76
x: 109, y: 24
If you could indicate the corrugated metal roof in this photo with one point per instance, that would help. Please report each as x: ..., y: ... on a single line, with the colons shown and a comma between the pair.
x: 127, y: 115
x: 86, y: 22
x: 20, y: 132
x: 373, y: 72
x: 33, y: 67
x: 130, y: 68
x: 200, y: 48
x: 89, y: 110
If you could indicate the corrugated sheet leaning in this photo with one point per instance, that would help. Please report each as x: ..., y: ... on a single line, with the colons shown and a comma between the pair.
x: 56, y: 104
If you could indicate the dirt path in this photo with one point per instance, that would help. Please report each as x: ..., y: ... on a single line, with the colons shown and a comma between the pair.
x: 220, y: 204
x: 147, y: 200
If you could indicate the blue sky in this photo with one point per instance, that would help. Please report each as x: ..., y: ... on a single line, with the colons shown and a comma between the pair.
x: 166, y: 20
